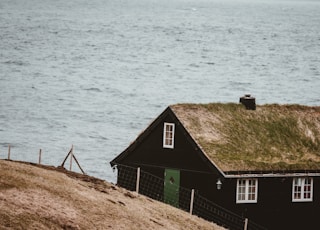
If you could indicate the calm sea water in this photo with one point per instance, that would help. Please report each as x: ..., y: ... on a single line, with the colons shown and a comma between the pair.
x: 95, y: 73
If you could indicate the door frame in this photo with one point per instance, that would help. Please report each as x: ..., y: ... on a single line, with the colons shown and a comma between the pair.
x: 171, y: 188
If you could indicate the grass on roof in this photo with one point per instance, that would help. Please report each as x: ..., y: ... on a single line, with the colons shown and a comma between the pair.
x: 273, y: 137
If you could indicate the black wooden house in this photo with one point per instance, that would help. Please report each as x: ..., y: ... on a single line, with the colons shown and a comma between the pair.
x: 261, y: 163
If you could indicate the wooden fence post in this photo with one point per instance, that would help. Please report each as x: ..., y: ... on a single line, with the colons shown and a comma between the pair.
x: 9, y: 149
x: 71, y: 156
x: 40, y: 152
x: 138, y: 180
x: 245, y: 224
x: 74, y: 157
x: 191, y: 201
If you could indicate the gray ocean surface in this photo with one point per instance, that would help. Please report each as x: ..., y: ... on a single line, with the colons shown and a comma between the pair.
x: 94, y: 74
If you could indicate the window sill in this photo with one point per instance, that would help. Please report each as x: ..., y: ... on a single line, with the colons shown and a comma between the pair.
x: 301, y: 201
x: 246, y: 201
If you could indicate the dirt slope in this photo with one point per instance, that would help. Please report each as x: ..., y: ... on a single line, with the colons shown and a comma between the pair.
x: 32, y: 197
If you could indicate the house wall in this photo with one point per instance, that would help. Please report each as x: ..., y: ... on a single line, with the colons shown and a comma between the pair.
x: 274, y: 208
x: 147, y: 152
x: 150, y: 151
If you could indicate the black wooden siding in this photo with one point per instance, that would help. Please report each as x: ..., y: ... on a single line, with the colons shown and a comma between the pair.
x: 150, y: 151
x: 274, y: 208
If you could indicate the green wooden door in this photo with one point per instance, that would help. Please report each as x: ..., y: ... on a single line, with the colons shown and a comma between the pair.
x: 171, y: 187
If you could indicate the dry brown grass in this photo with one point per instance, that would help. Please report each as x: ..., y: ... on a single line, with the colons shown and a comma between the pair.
x: 273, y: 137
x: 51, y: 198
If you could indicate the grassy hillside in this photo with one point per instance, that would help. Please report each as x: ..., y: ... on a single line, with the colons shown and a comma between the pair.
x: 34, y: 197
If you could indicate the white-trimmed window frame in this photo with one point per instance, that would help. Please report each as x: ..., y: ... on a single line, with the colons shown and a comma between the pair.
x: 168, y: 135
x: 247, y: 191
x: 302, y: 189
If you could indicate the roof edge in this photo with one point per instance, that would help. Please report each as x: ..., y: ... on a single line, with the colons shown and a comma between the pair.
x: 272, y: 175
x: 140, y: 136
x: 198, y: 146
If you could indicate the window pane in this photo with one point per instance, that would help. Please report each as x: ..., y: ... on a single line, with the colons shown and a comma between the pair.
x: 247, y: 190
x: 168, y: 135
x: 307, y: 188
x: 307, y: 195
x: 307, y: 181
x: 302, y: 189
x: 251, y: 196
x: 241, y: 197
x: 241, y: 189
x: 252, y: 190
x: 297, y: 192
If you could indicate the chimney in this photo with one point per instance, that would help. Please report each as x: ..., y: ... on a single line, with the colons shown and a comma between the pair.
x: 248, y: 101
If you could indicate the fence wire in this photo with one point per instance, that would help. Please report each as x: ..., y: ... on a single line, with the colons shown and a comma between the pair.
x: 153, y: 187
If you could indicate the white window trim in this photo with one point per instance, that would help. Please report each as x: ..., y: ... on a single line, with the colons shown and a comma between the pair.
x: 246, y: 200
x: 302, y: 181
x: 164, y: 135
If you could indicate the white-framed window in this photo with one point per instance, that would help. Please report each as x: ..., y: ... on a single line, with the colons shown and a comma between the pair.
x: 302, y: 189
x: 247, y: 191
x: 168, y: 135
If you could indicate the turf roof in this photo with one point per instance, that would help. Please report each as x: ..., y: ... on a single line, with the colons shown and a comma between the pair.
x: 270, y: 138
